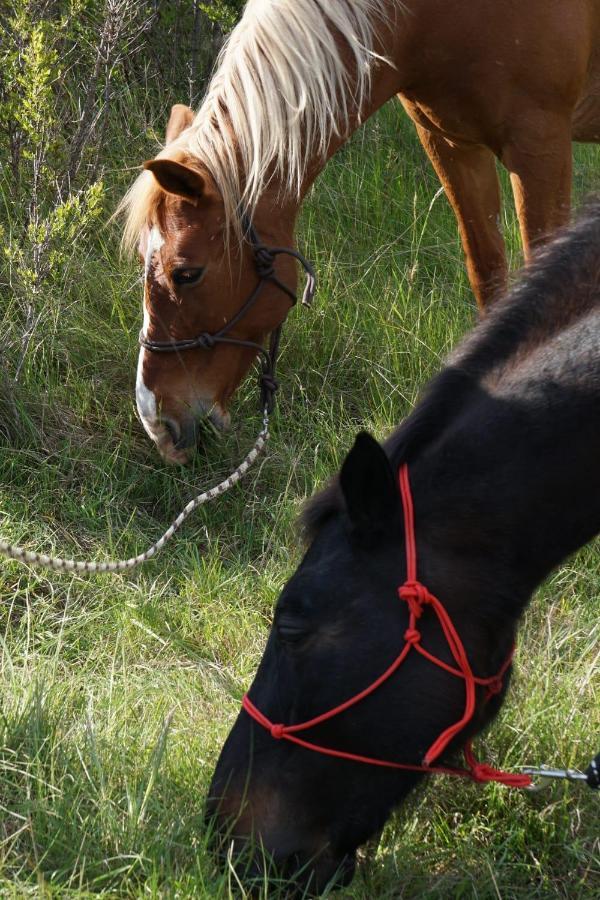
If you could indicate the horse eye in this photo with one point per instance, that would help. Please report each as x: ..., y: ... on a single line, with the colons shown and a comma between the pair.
x: 187, y: 276
x: 290, y: 632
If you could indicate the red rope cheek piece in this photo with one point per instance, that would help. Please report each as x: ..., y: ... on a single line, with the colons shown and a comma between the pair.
x: 417, y: 597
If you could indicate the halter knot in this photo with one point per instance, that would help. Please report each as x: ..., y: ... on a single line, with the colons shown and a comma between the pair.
x: 412, y: 636
x: 494, y: 687
x: 269, y: 382
x: 269, y: 385
x: 206, y: 340
x: 416, y: 595
x: 277, y: 731
x: 264, y: 262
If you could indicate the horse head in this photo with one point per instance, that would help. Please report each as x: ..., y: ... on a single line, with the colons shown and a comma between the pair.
x: 200, y: 270
x: 339, y: 623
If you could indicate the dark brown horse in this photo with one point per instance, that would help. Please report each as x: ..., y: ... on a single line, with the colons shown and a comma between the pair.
x: 502, y: 454
x: 482, y: 81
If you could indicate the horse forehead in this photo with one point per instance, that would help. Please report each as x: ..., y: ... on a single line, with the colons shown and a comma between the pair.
x: 316, y: 589
x: 182, y: 218
x: 198, y: 238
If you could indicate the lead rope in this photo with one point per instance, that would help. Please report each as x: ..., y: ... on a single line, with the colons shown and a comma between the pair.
x: 120, y: 565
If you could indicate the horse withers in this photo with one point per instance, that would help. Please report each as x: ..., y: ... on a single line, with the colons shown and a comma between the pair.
x: 502, y: 455
x: 486, y: 81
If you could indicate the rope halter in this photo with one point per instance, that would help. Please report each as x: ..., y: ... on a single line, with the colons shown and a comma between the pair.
x: 264, y: 262
x: 418, y: 598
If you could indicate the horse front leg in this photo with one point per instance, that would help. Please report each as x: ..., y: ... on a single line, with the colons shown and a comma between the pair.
x: 538, y: 157
x: 468, y: 175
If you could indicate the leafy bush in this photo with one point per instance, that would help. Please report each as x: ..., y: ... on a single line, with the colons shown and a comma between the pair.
x: 74, y: 74
x: 224, y: 12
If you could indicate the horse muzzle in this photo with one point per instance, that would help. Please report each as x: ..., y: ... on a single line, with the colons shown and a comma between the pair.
x: 176, y: 436
x: 290, y: 855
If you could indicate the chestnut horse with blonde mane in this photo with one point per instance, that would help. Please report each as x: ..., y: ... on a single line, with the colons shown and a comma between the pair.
x: 485, y: 81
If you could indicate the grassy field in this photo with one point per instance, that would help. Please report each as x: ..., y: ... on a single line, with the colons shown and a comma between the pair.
x: 117, y: 692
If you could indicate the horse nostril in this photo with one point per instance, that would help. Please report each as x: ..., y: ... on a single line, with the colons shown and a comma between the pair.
x: 187, y: 434
x: 173, y: 429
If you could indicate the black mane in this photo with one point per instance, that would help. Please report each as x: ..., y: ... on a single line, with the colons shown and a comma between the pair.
x: 559, y: 287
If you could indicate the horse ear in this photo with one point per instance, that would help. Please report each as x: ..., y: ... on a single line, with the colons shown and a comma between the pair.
x: 181, y: 118
x: 177, y: 179
x: 369, y: 486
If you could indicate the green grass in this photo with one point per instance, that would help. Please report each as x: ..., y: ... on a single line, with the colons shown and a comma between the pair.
x: 117, y: 692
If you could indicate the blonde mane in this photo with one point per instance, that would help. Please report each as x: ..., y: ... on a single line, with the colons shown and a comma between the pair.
x: 284, y: 85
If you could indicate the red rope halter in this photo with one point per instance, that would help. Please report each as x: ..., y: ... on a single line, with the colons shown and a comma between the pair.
x: 417, y: 597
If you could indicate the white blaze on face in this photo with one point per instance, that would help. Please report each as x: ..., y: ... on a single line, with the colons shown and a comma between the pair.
x: 155, y: 242
x: 146, y: 401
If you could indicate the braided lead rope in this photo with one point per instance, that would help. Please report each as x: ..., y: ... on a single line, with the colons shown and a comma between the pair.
x: 68, y: 565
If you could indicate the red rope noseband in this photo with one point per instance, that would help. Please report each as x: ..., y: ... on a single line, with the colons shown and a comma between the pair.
x: 417, y: 597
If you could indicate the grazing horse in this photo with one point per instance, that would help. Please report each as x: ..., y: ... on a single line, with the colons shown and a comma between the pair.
x: 481, y: 81
x: 502, y: 455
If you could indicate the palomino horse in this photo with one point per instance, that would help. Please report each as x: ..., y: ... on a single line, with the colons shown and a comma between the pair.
x: 482, y: 81
x: 502, y: 457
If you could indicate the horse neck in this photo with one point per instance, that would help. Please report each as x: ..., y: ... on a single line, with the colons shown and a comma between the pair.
x: 506, y: 494
x: 277, y: 201
x: 278, y: 184
x: 380, y: 94
x: 385, y: 83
